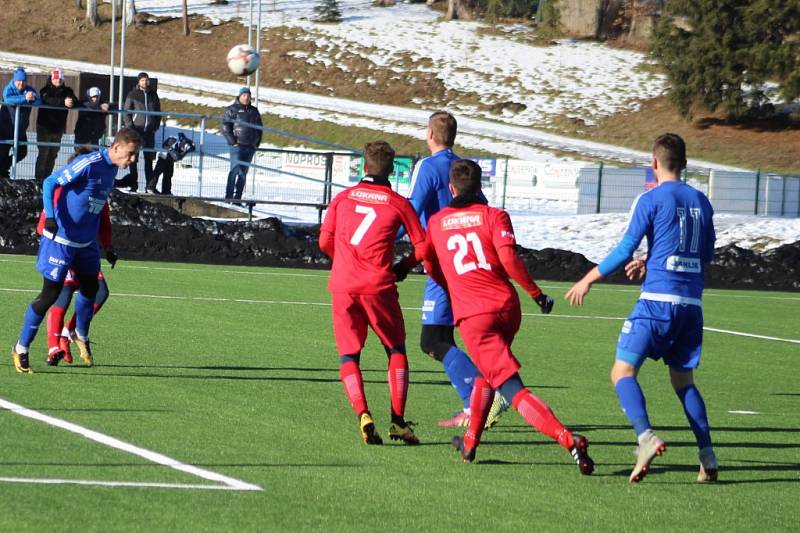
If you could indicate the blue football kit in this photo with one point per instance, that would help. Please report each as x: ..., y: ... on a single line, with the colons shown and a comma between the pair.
x: 667, y: 321
x: 74, y: 196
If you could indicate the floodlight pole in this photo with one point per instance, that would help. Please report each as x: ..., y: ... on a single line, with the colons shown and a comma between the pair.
x: 250, y: 32
x: 122, y: 63
x: 110, y: 121
x: 258, y: 50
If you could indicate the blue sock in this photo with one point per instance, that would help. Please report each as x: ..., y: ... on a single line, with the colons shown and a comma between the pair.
x: 633, y: 404
x: 30, y: 326
x: 461, y: 371
x: 695, y: 410
x: 83, y: 314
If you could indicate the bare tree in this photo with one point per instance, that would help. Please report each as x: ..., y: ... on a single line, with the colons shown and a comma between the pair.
x: 185, y: 18
x: 452, y: 9
x: 91, y: 12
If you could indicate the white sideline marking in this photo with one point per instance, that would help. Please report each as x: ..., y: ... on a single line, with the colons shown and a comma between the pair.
x: 325, y: 304
x: 91, y: 482
x: 154, y: 457
x: 744, y: 412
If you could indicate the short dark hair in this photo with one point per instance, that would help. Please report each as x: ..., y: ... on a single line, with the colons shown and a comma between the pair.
x: 670, y: 150
x: 444, y: 127
x: 128, y: 136
x: 379, y: 159
x: 465, y: 176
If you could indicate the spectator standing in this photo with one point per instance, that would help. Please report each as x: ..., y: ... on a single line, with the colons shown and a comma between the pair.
x: 17, y: 92
x: 242, y: 139
x: 92, y: 124
x: 52, y: 123
x: 142, y: 98
x: 174, y: 150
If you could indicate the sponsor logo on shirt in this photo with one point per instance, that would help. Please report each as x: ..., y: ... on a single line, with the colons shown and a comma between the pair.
x: 626, y: 327
x: 56, y: 261
x: 64, y: 178
x: 462, y: 220
x: 428, y: 305
x: 370, y: 197
x: 506, y: 235
x: 676, y: 263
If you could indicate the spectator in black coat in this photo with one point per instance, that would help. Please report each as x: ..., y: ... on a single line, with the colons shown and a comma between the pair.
x: 175, y: 149
x: 52, y: 123
x: 142, y: 98
x: 242, y: 139
x: 91, y: 125
x: 15, y: 95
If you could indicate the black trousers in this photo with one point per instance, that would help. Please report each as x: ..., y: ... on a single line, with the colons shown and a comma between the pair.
x: 165, y: 167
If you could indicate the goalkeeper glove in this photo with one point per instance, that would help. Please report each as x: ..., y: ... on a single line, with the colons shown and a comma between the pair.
x: 51, y: 226
x: 400, y: 271
x: 111, y: 257
x: 545, y: 303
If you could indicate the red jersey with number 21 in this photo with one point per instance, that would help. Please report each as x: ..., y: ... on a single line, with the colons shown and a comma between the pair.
x: 466, y: 240
x: 364, y: 220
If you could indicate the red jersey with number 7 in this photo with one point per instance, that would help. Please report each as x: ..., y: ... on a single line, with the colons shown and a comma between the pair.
x: 359, y: 232
x: 466, y: 240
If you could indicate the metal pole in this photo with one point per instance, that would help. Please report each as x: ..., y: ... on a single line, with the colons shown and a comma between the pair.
x: 599, y: 186
x: 258, y: 50
x: 505, y: 186
x: 758, y: 184
x: 122, y: 62
x: 250, y: 33
x: 16, y: 143
x: 200, y: 162
x: 110, y: 120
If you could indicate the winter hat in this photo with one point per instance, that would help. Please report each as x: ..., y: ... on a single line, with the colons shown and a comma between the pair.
x: 93, y: 91
x: 19, y: 74
x: 244, y: 90
x: 142, y: 75
x: 57, y: 74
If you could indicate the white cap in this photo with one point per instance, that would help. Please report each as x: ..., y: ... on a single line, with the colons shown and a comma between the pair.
x: 93, y: 91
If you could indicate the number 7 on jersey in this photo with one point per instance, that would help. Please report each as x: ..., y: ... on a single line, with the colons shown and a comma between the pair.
x: 366, y: 222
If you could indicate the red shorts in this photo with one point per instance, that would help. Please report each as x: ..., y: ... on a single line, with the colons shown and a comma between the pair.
x: 70, y: 280
x: 352, y: 313
x: 488, y: 339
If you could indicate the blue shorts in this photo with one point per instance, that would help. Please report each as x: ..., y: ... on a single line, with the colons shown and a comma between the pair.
x: 436, y: 309
x: 665, y: 330
x: 56, y: 259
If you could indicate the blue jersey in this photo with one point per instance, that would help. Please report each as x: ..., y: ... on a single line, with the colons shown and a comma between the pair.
x: 430, y: 191
x: 677, y: 221
x: 84, y: 186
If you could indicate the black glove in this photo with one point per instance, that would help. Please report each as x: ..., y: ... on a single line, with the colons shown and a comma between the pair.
x: 51, y: 226
x: 400, y: 271
x: 545, y: 303
x: 111, y: 257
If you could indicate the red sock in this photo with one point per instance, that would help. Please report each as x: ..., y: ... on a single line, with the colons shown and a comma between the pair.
x: 398, y: 382
x: 539, y: 415
x: 55, y: 322
x: 479, y: 404
x: 350, y: 374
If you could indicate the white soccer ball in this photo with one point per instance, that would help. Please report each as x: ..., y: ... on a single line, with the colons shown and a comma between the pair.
x: 243, y: 60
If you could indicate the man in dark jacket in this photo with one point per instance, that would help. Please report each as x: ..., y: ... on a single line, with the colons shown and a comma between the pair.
x: 242, y: 139
x: 92, y: 124
x: 52, y: 123
x: 15, y: 93
x: 142, y: 98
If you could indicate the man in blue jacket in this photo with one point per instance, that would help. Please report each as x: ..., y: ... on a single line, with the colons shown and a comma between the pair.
x: 242, y: 139
x: 17, y: 92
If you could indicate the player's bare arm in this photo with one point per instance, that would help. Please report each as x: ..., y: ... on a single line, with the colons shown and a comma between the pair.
x: 578, y: 292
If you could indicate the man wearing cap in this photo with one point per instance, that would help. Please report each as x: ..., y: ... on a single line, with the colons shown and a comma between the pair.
x: 242, y: 139
x: 17, y: 92
x: 142, y: 98
x: 92, y: 124
x: 52, y: 123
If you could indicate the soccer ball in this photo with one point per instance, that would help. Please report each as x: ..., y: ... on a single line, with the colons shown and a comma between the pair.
x: 243, y: 60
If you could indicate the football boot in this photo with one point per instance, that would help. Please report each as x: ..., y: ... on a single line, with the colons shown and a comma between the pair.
x: 368, y: 432
x: 650, y: 445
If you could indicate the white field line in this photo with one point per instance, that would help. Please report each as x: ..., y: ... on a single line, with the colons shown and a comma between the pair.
x: 154, y: 457
x: 325, y: 304
x: 97, y: 483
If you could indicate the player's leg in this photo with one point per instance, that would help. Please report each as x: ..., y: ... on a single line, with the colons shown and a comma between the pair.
x: 437, y: 340
x: 683, y: 358
x: 87, y: 268
x: 68, y: 332
x: 34, y: 315
x: 55, y: 322
x: 642, y: 335
x: 480, y: 403
x: 350, y: 332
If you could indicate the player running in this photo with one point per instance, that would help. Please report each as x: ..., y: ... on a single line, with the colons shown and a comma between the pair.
x: 69, y: 239
x: 358, y: 234
x: 430, y: 192
x: 472, y: 251
x: 667, y: 321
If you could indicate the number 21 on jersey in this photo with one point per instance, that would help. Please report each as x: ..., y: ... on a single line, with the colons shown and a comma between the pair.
x: 461, y: 245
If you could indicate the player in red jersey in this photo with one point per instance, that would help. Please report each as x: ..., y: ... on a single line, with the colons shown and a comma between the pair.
x: 358, y: 235
x: 472, y: 251
x: 59, y: 337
